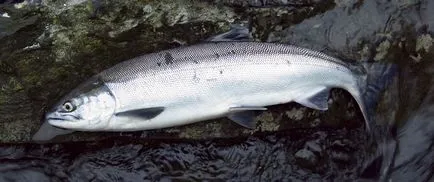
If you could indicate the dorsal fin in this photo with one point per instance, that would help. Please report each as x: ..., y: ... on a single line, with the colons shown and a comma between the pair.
x: 236, y: 33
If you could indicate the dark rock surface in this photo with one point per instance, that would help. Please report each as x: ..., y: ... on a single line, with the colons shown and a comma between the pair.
x: 49, y: 47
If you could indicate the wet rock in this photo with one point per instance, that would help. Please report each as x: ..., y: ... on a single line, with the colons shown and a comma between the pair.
x: 340, y: 157
x: 306, y: 158
x: 314, y: 147
x: 320, y: 135
x: 48, y: 50
x: 13, y: 20
x: 275, y: 3
x: 312, y: 154
x: 340, y: 151
x: 414, y: 151
x: 338, y: 30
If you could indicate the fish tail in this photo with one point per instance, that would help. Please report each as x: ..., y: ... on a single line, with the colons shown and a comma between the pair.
x: 371, y: 85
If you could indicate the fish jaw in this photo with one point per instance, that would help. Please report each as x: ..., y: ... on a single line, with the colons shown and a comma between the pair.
x: 79, y: 125
x: 57, y: 120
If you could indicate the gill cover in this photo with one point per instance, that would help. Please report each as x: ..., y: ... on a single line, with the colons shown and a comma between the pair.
x: 93, y: 106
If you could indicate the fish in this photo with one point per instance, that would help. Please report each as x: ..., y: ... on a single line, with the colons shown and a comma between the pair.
x: 206, y: 81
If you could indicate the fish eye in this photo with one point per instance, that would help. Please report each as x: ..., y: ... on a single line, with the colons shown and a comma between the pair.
x: 68, y: 107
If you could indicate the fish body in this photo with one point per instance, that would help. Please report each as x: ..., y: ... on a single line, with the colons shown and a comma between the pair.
x: 205, y: 81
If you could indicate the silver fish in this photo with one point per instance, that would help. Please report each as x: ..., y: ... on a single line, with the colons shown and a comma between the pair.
x: 206, y: 81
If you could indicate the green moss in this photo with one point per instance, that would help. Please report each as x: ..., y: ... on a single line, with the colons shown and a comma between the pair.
x: 268, y: 122
x: 17, y: 131
x: 364, y: 52
x: 170, y: 13
x: 89, y: 6
x: 73, y: 30
x: 424, y: 42
x: 201, y: 130
x: 382, y: 50
x: 296, y: 114
x: 14, y: 111
x: 13, y: 85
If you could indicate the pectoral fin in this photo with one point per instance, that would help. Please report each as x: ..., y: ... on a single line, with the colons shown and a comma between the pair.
x: 146, y: 113
x: 245, y: 116
x: 318, y: 100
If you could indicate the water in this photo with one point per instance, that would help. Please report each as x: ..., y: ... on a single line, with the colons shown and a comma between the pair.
x: 352, y: 30
x: 293, y: 155
x: 416, y: 146
x: 298, y: 155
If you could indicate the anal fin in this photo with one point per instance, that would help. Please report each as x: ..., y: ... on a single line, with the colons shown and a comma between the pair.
x: 318, y: 101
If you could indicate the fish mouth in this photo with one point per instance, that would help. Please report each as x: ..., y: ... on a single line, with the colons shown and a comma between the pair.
x: 55, y: 119
x: 56, y: 122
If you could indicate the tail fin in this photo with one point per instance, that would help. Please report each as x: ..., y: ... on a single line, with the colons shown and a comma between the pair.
x: 378, y: 77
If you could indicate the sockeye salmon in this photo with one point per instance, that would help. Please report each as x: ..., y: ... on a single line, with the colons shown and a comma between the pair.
x: 206, y: 81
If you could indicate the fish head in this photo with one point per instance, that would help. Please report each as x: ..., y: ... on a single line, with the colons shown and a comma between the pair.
x: 89, y: 107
